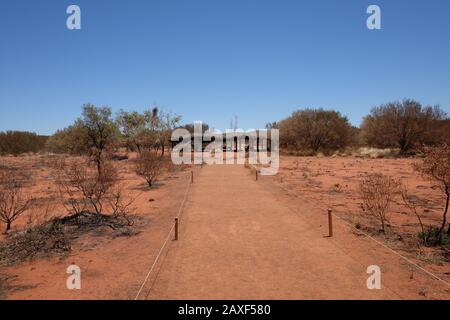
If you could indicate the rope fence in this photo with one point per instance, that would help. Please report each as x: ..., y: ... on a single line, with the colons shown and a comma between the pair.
x: 412, y: 263
x: 166, y: 241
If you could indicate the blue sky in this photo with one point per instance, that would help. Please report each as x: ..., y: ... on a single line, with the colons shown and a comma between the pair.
x: 212, y: 60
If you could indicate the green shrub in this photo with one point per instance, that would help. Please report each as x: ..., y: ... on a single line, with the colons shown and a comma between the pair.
x: 432, y: 237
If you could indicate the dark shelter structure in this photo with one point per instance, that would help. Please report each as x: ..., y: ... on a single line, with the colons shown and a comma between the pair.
x: 231, y: 141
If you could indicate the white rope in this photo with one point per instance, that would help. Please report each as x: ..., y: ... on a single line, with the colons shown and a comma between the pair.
x: 375, y: 240
x: 165, y: 242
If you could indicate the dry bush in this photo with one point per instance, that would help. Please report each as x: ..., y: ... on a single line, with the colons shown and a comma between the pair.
x: 37, y: 242
x: 377, y: 192
x: 411, y: 204
x: 45, y: 237
x: 87, y: 194
x: 313, y: 130
x: 83, y: 187
x: 403, y: 125
x: 121, y: 207
x: 149, y: 165
x: 13, y: 202
x: 435, y: 167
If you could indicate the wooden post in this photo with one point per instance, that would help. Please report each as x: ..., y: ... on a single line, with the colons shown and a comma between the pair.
x: 192, y: 177
x: 176, y: 229
x: 330, y: 223
x: 256, y: 174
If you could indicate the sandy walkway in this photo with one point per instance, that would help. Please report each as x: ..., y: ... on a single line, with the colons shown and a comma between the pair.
x: 239, y: 241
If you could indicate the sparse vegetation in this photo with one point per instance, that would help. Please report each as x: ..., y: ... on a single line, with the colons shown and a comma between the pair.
x: 377, y: 192
x: 85, y: 189
x: 149, y: 166
x: 436, y: 168
x: 412, y: 206
x: 55, y: 237
x: 18, y: 142
x: 13, y: 202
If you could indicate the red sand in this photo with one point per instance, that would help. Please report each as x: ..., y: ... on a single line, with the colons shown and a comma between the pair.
x: 245, y: 239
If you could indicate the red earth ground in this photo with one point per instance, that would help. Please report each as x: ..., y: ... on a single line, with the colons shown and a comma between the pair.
x: 240, y: 238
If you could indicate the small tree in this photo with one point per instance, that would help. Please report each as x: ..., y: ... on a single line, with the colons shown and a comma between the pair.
x: 377, y: 192
x: 409, y: 202
x: 132, y: 126
x: 12, y: 201
x: 435, y: 167
x: 84, y: 188
x: 314, y: 130
x: 101, y: 132
x: 94, y: 134
x: 159, y: 127
x: 403, y: 125
x: 149, y: 166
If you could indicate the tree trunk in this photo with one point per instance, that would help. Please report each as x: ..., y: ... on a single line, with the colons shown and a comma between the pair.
x: 8, y: 226
x: 444, y: 218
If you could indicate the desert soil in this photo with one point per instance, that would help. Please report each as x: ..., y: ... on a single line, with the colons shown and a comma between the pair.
x: 246, y: 239
x: 240, y: 240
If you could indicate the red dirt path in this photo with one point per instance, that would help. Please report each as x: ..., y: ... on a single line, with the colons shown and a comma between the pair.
x: 242, y: 239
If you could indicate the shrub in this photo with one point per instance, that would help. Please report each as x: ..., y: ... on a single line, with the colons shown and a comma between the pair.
x: 13, y: 203
x: 377, y: 192
x: 149, y: 165
x: 435, y: 167
x: 85, y: 189
x: 409, y: 202
x: 432, y: 236
x: 403, y: 125
x: 314, y: 130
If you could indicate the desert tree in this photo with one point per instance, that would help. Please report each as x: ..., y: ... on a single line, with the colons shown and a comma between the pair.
x: 314, y: 130
x: 94, y: 134
x: 13, y: 201
x: 70, y: 140
x: 168, y: 123
x: 133, y: 128
x: 149, y: 165
x: 403, y: 125
x: 377, y: 193
x: 435, y: 167
x: 160, y: 125
x: 101, y: 132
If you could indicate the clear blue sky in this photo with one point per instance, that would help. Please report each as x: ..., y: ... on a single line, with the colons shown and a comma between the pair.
x: 213, y: 59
